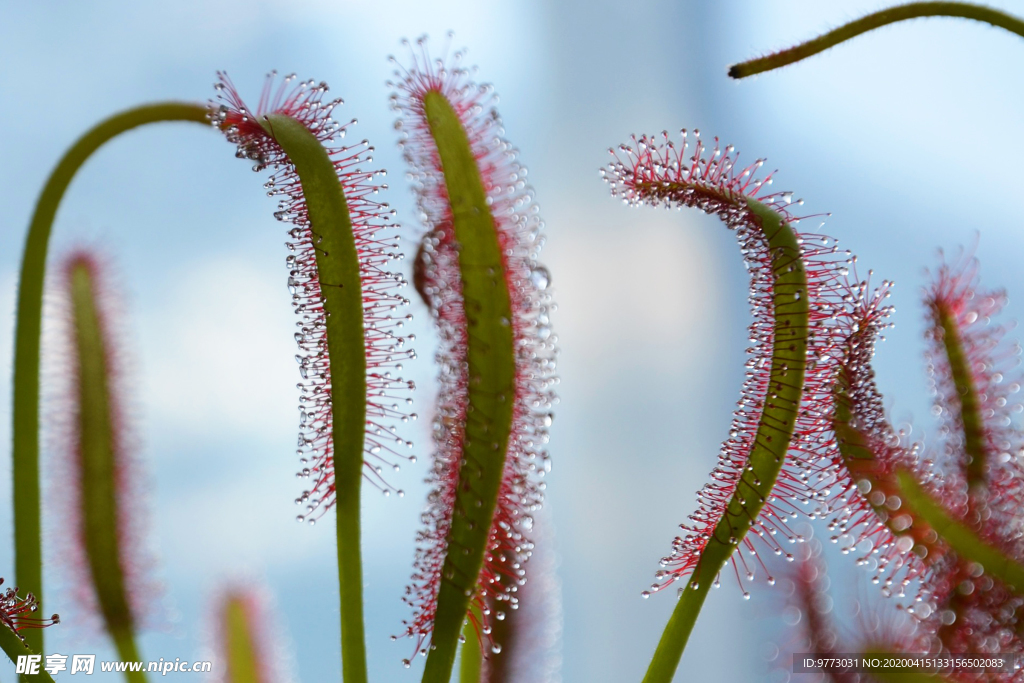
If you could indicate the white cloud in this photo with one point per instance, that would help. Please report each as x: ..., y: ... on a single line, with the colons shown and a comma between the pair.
x: 219, y: 352
x: 245, y: 520
x: 649, y: 290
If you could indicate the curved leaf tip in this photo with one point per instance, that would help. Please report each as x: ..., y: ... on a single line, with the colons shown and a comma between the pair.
x: 794, y: 293
x: 369, y: 339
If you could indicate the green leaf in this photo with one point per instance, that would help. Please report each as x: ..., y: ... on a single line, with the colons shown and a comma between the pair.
x: 338, y: 266
x: 958, y: 536
x: 774, y: 432
x: 98, y: 465
x: 242, y: 656
x: 491, y: 361
x: 970, y: 408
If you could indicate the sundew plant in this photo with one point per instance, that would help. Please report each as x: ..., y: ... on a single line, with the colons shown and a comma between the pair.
x: 571, y: 385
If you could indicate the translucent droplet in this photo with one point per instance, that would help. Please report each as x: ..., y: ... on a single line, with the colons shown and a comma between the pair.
x: 540, y: 277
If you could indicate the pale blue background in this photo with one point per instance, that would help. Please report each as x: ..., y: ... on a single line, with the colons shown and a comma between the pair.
x: 911, y: 137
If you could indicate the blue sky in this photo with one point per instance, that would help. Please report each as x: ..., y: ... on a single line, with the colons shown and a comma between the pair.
x: 910, y: 138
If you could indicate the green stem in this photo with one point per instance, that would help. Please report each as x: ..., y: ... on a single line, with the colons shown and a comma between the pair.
x: 961, y: 539
x: 861, y: 461
x: 677, y: 632
x: 472, y: 655
x: 912, y: 10
x: 774, y: 432
x: 490, y: 356
x: 124, y: 641
x: 98, y: 463
x: 15, y: 647
x: 337, y: 264
x: 27, y: 543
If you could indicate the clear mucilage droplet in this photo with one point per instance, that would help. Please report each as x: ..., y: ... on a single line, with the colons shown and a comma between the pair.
x: 540, y: 277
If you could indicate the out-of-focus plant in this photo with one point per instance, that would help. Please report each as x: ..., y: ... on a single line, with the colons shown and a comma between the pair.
x: 249, y: 648
x: 100, y: 473
x: 809, y: 437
